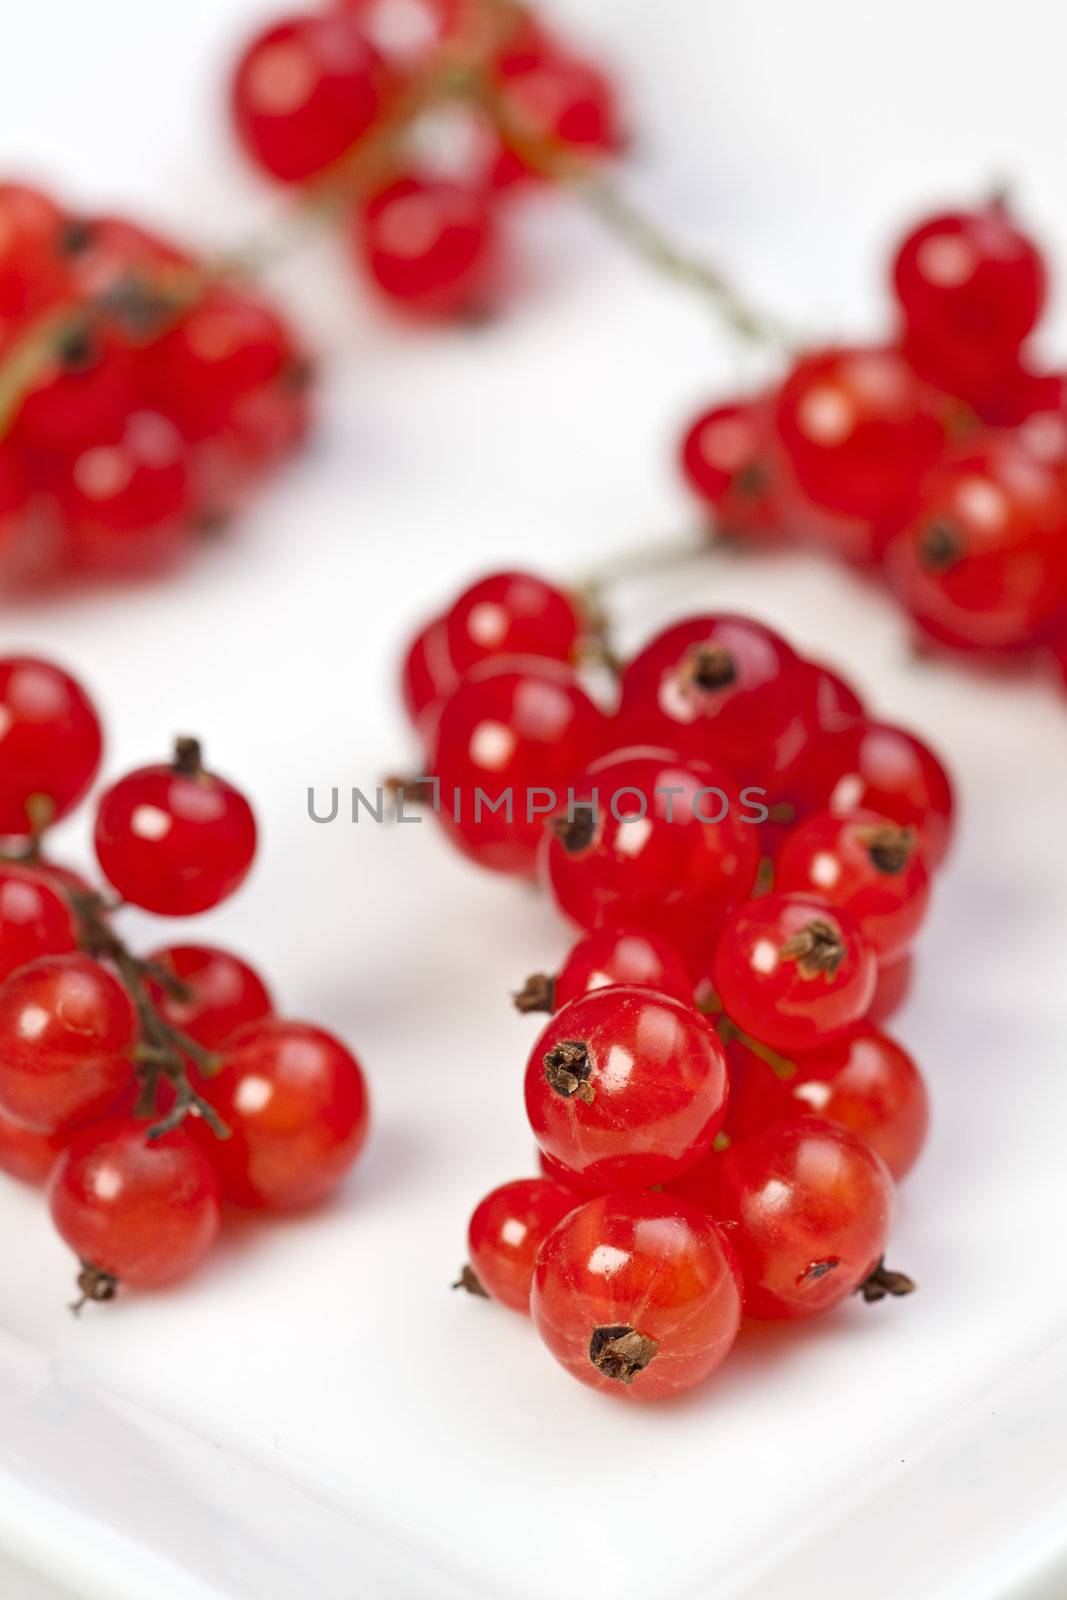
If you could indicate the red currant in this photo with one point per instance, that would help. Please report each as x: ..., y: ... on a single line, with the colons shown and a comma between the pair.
x: 513, y: 735
x: 304, y: 92
x: 106, y: 256
x: 14, y: 499
x: 892, y: 988
x: 32, y: 277
x: 727, y: 459
x: 626, y: 1087
x: 807, y: 1207
x: 637, y: 1295
x: 557, y: 98
x: 652, y: 841
x: 871, y: 868
x: 511, y: 614
x: 970, y: 279
x: 430, y: 245
x: 793, y: 971
x: 222, y: 992
x: 26, y: 1155
x: 175, y: 840
x: 507, y: 1230
x: 134, y: 1210
x: 88, y: 386
x: 611, y: 956
x: 836, y: 701
x: 35, y: 919
x: 296, y: 1103
x: 50, y: 744
x: 563, y: 1176
x: 67, y: 1035
x: 428, y: 676
x: 125, y: 496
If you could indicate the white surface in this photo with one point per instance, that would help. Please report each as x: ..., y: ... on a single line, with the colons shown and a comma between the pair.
x: 315, y: 1413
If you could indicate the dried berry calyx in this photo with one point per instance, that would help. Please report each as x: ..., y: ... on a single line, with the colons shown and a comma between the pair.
x: 575, y: 829
x: 94, y: 1284
x: 816, y: 948
x: 568, y: 1068
x: 940, y: 546
x: 889, y: 847
x: 538, y: 993
x: 711, y: 666
x: 882, y: 1282
x: 470, y: 1281
x: 621, y: 1352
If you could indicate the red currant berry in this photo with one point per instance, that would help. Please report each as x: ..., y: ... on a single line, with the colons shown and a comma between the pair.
x: 107, y: 255
x: 555, y: 98
x: 134, y: 1210
x: 793, y: 971
x: 970, y: 279
x: 723, y: 688
x: 637, y: 1295
x: 175, y: 840
x: 858, y: 431
x: 67, y: 1035
x: 427, y: 676
x: 563, y: 1176
x: 14, y: 499
x: 511, y: 614
x: 87, y: 387
x: 296, y: 1103
x: 872, y: 766
x: 222, y: 992
x: 652, y: 841
x: 304, y: 92
x: 26, y: 1155
x: 727, y: 459
x: 35, y: 919
x: 807, y: 1207
x: 983, y: 565
x: 1038, y: 413
x: 507, y: 1230
x: 512, y: 736
x: 871, y: 868
x: 32, y: 277
x: 611, y: 956
x: 125, y: 496
x: 626, y: 1087
x: 836, y: 701
x: 892, y: 988
x: 50, y: 744
x: 429, y: 245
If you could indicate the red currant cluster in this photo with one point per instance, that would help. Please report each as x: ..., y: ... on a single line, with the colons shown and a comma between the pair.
x: 940, y: 456
x: 350, y: 98
x: 139, y: 397
x: 750, y: 857
x: 147, y: 1091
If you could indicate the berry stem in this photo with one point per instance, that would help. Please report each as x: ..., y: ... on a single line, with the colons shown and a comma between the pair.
x: 710, y: 1005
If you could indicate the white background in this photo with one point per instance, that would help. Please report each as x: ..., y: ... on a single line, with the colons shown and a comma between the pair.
x: 315, y: 1413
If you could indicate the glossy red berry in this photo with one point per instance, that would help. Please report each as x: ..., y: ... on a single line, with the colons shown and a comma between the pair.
x: 652, y: 841
x: 836, y: 701
x: 50, y: 744
x: 511, y: 614
x: 222, y: 992
x: 35, y: 919
x: 67, y: 1035
x: 551, y: 1168
x: 983, y: 564
x: 304, y: 92
x: 14, y: 501
x: 873, y: 766
x: 793, y: 971
x: 118, y: 261
x: 427, y: 676
x: 125, y: 497
x: 870, y: 867
x: 32, y: 276
x: 611, y: 956
x: 507, y: 1230
x: 723, y: 688
x: 141, y: 1211
x: 892, y: 989
x: 728, y: 460
x: 88, y: 386
x: 429, y: 246
x: 175, y: 840
x: 25, y: 1154
x: 296, y: 1103
x: 807, y: 1207
x: 512, y: 736
x: 557, y: 99
x: 626, y: 1087
x: 637, y: 1295
x: 971, y: 279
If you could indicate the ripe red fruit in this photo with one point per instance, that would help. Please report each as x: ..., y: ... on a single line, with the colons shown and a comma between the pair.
x: 304, y: 92
x: 637, y: 1295
x: 807, y: 1207
x: 507, y: 1230
x: 727, y: 459
x: 32, y: 275
x: 429, y: 244
x: 26, y: 1155
x: 653, y: 854
x: 516, y: 727
x: 296, y: 1103
x: 35, y: 919
x: 723, y: 688
x: 836, y: 701
x: 868, y: 866
x: 223, y: 993
x: 113, y: 259
x: 50, y: 744
x: 555, y: 98
x: 125, y: 496
x: 892, y: 988
x: 175, y: 840
x: 970, y: 279
x: 564, y: 1177
x: 873, y: 766
x: 511, y: 614
x: 141, y: 1211
x: 793, y: 971
x: 14, y: 499
x: 863, y: 1081
x: 427, y: 676
x: 67, y: 1034
x: 611, y: 956
x: 626, y: 1087
x: 983, y: 563
x: 87, y: 387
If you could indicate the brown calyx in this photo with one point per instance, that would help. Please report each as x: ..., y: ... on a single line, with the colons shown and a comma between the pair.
x: 568, y: 1069
x: 538, y: 993
x: 711, y: 667
x: 620, y: 1352
x: 817, y: 948
x: 889, y: 847
x: 470, y: 1281
x: 188, y: 761
x: 575, y: 829
x: 76, y: 350
x: 94, y: 1284
x: 940, y: 546
x: 412, y: 791
x: 882, y: 1282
